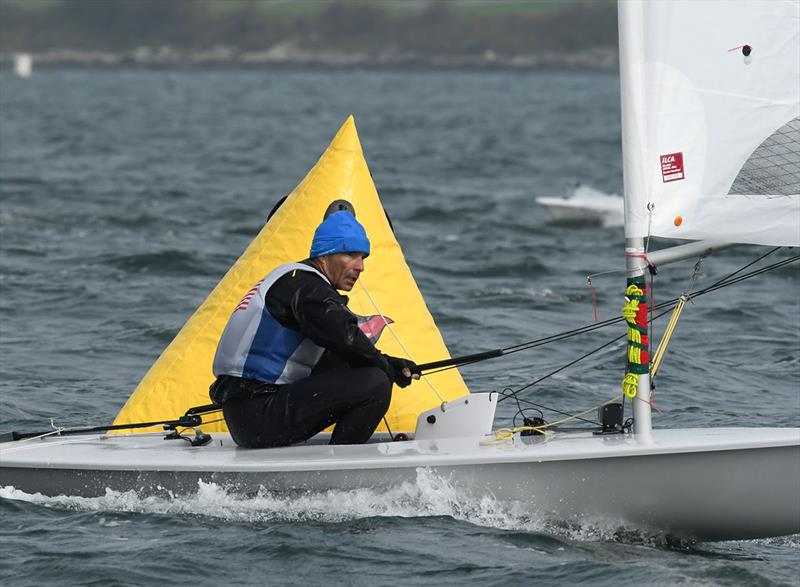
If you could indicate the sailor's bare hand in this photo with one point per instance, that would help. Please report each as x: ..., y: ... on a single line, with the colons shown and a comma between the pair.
x: 407, y: 373
x: 402, y: 371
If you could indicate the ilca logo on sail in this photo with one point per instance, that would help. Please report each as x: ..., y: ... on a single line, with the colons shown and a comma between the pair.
x: 672, y: 167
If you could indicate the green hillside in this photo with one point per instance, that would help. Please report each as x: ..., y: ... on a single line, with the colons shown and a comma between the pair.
x: 419, y: 26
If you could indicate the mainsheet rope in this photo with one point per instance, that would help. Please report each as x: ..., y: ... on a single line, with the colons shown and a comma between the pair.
x: 509, y: 393
x: 401, y: 343
x: 502, y: 434
x: 667, y: 305
x: 631, y: 393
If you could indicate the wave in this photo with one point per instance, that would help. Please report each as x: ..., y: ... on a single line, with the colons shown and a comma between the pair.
x: 168, y: 262
x: 431, y: 495
x: 141, y: 220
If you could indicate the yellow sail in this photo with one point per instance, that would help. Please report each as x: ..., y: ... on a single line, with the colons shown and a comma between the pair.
x: 180, y: 378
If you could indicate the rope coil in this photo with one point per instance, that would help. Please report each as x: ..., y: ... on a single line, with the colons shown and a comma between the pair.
x: 635, y: 313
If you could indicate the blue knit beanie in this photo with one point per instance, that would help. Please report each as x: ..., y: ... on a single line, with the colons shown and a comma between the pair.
x: 339, y: 233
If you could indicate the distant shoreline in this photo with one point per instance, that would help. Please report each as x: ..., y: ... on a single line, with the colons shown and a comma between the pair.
x: 286, y: 56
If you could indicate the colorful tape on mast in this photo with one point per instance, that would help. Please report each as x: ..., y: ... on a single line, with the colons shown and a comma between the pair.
x: 635, y: 313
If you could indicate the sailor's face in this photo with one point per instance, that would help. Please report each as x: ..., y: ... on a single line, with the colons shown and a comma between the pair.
x: 343, y: 269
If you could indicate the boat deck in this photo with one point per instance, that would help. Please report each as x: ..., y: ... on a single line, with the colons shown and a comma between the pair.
x: 151, y: 452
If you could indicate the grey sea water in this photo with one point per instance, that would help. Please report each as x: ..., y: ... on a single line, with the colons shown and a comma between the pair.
x: 125, y: 196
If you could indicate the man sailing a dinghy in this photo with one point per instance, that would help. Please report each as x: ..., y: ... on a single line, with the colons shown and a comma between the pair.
x: 292, y: 359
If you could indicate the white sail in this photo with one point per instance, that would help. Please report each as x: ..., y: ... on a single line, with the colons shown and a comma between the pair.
x: 711, y: 119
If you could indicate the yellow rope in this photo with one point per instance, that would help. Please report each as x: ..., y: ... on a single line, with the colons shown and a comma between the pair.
x: 635, y: 355
x: 631, y: 305
x: 662, y: 345
x: 630, y: 385
x: 502, y: 434
x: 629, y: 310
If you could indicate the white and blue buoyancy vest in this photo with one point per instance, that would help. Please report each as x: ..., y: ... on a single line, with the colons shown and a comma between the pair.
x: 256, y: 346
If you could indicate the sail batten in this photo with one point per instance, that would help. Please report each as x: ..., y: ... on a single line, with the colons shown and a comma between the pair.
x: 710, y: 111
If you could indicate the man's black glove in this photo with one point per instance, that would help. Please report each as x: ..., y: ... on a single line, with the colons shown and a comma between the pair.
x: 396, y: 366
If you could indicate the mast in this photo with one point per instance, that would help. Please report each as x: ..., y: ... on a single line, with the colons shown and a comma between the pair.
x: 634, y: 126
x: 636, y: 268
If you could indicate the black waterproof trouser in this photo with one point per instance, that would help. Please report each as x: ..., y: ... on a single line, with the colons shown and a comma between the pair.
x: 354, y: 400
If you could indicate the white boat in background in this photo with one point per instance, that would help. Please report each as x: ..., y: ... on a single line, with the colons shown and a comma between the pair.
x: 23, y: 65
x: 700, y: 128
x: 587, y: 206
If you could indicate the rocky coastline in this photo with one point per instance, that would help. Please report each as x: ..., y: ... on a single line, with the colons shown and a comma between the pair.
x: 290, y: 55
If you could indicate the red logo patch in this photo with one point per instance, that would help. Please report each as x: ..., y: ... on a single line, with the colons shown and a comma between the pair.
x: 672, y: 167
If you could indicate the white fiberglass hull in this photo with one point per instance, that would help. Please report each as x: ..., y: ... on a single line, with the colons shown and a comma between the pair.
x: 711, y: 484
